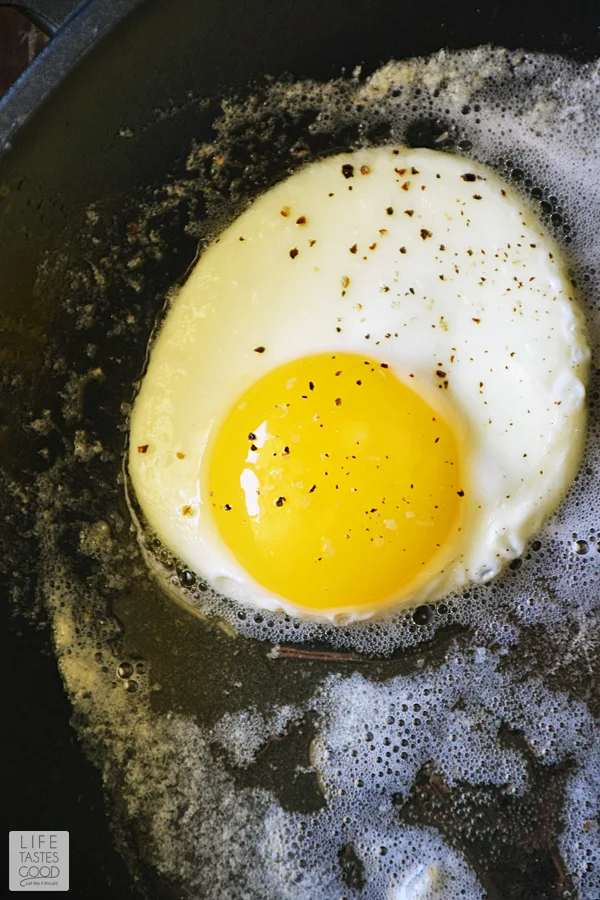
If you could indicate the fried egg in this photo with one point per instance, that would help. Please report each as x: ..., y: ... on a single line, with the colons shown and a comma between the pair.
x: 369, y: 391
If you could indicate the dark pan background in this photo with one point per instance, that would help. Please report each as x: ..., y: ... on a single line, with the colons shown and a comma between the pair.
x: 68, y: 150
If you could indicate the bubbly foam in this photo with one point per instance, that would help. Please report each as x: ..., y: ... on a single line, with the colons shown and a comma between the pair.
x: 464, y: 762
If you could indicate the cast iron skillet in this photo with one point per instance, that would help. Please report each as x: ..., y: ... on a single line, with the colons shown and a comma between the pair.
x: 109, y: 64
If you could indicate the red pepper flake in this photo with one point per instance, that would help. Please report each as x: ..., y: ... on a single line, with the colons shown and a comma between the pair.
x: 348, y: 170
x: 280, y: 501
x: 294, y: 253
x: 372, y: 246
x: 260, y: 349
x: 312, y: 489
x: 461, y: 493
x: 477, y: 321
x: 402, y: 249
x: 186, y: 510
x: 468, y: 176
x: 400, y: 171
x: 384, y: 366
x: 311, y: 385
x: 227, y: 507
x: 390, y: 210
x: 476, y: 196
x: 338, y: 401
x: 345, y: 281
x: 253, y: 447
x: 425, y: 234
x: 442, y: 247
x: 503, y: 192
x: 409, y: 212
x: 242, y: 239
x: 180, y: 455
x: 285, y: 212
x: 364, y: 170
x: 353, y: 248
x: 143, y: 448
x: 359, y: 382
x: 414, y: 171
x: 406, y: 186
x: 301, y: 220
x: 132, y: 229
x: 339, y: 372
x: 311, y: 243
x: 440, y: 374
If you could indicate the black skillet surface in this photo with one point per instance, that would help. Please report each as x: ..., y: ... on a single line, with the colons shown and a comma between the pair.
x: 68, y: 154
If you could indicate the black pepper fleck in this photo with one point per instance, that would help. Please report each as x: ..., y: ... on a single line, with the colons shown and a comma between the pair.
x: 348, y: 170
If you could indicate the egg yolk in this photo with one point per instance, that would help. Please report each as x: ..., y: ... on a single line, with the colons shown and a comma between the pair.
x: 334, y: 484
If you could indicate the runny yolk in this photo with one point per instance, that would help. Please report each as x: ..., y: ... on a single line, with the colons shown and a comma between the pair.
x: 334, y: 484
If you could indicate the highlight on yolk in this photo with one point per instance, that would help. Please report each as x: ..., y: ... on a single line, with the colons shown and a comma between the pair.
x: 334, y: 484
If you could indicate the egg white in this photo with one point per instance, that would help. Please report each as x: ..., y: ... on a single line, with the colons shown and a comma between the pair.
x: 451, y: 272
